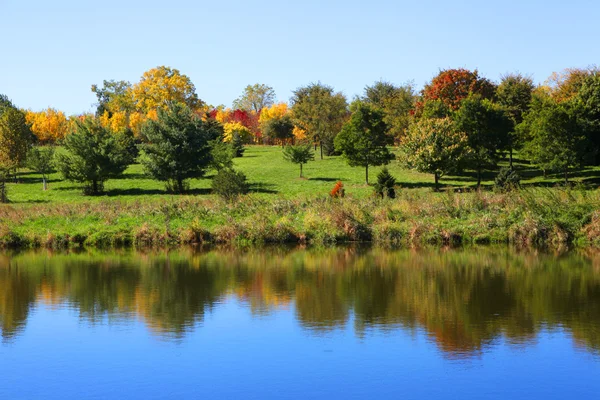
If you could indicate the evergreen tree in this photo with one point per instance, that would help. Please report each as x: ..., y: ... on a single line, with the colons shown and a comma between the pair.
x: 299, y: 154
x: 386, y: 183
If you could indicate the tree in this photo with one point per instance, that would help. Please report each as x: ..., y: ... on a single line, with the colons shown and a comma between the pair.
x: 279, y: 129
x: 434, y: 146
x: 586, y: 107
x: 221, y: 155
x: 452, y: 86
x: 396, y: 103
x: 237, y: 146
x: 230, y: 129
x: 554, y: 140
x: 15, y: 139
x: 93, y: 155
x: 178, y: 146
x: 161, y: 86
x: 113, y: 96
x: 299, y: 154
x: 386, y: 183
x: 514, y: 94
x: 41, y: 160
x: 488, y: 127
x: 229, y: 183
x: 255, y: 98
x: 49, y: 125
x: 320, y: 112
x: 564, y: 85
x: 363, y: 140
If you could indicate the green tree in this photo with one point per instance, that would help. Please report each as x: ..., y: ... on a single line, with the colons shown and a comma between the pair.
x: 386, y: 184
x: 586, y: 107
x: 237, y: 145
x: 396, y: 103
x: 320, y: 112
x: 178, y: 146
x: 113, y: 96
x: 221, y: 154
x: 514, y: 93
x: 488, y: 127
x: 363, y: 140
x: 255, y: 98
x: 93, y: 155
x: 41, y: 160
x: 554, y: 141
x: 434, y: 146
x: 279, y: 128
x: 229, y: 183
x: 15, y: 139
x: 299, y: 154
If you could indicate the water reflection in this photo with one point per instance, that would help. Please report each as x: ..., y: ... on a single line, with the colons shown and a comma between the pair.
x: 464, y: 300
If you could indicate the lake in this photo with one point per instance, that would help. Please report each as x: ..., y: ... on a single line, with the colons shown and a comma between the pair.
x: 300, y: 323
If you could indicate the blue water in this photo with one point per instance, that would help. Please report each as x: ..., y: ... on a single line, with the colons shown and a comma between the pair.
x: 258, y: 346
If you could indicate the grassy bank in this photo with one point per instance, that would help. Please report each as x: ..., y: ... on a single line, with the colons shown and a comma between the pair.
x: 530, y: 217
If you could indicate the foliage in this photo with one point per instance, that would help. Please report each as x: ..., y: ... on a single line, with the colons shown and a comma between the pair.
x: 434, y: 146
x: 41, y: 160
x: 161, y: 86
x: 363, y: 140
x: 229, y: 183
x: 320, y: 112
x: 299, y: 154
x: 237, y: 146
x: 586, y: 108
x: 452, y: 86
x: 514, y: 93
x: 15, y: 138
x: 386, y: 184
x: 507, y: 179
x: 564, y: 86
x: 236, y: 128
x: 396, y: 103
x: 113, y: 96
x: 221, y: 155
x: 281, y: 128
x: 178, y: 146
x: 487, y: 127
x: 275, y: 111
x: 338, y: 190
x: 92, y: 156
x: 255, y: 98
x: 49, y: 125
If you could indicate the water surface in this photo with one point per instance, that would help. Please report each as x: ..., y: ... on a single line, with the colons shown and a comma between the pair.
x: 279, y: 323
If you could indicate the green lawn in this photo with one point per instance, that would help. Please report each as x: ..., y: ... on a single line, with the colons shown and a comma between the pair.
x: 271, y: 176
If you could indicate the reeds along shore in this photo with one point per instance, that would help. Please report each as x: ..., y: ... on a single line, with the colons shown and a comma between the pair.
x: 532, y: 217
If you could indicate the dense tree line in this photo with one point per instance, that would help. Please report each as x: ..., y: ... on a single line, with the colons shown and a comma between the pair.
x: 459, y: 121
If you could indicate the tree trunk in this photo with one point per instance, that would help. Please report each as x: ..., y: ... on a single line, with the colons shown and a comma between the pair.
x: 3, y: 195
x: 321, y: 145
x: 300, y: 170
x: 545, y: 174
x: 437, y: 182
x: 367, y: 173
x: 45, y: 185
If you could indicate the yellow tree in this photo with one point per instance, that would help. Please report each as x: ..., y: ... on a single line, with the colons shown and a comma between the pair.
x: 231, y: 128
x: 162, y: 85
x: 49, y: 125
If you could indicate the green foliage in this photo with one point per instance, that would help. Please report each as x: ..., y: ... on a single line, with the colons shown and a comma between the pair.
x: 363, y: 140
x: 279, y: 128
x: 15, y: 138
x: 396, y: 102
x: 178, y: 146
x: 487, y: 127
x: 93, y: 155
x: 299, y: 154
x: 320, y: 112
x: 515, y: 93
x: 507, y: 179
x: 113, y: 96
x: 237, y: 145
x: 221, y: 155
x: 434, y: 146
x: 586, y: 108
x: 435, y: 109
x: 553, y: 139
x: 255, y: 98
x: 229, y: 183
x: 386, y: 183
x: 41, y: 160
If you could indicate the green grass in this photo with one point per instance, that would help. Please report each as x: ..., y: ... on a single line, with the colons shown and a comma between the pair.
x: 271, y: 177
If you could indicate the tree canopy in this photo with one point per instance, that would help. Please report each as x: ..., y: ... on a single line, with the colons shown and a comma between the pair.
x: 255, y: 98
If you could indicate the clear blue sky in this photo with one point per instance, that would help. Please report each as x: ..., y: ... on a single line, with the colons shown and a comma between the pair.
x: 53, y: 51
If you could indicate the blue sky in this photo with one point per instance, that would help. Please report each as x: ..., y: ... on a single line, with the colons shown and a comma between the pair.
x: 53, y: 51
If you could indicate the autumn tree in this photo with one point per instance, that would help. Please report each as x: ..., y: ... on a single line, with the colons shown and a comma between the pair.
x: 299, y: 154
x: 363, y: 140
x: 564, y: 85
x: 162, y: 85
x: 514, y: 94
x: 487, y: 127
x: 255, y: 98
x: 113, y: 96
x: 434, y: 146
x: 41, y: 160
x: 320, y: 113
x: 49, y: 125
x: 178, y: 146
x: 554, y: 139
x: 452, y: 86
x: 92, y: 156
x: 396, y: 103
x: 280, y: 129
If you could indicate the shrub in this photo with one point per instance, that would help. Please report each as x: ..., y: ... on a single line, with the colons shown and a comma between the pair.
x: 229, y: 184
x: 338, y: 190
x: 385, y: 184
x: 237, y: 145
x: 507, y: 180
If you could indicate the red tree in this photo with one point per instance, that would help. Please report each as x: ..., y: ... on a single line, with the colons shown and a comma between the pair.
x: 451, y: 86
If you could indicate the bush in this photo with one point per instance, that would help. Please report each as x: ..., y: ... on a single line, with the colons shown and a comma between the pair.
x: 237, y: 145
x: 338, y: 190
x: 385, y: 184
x: 507, y: 180
x: 229, y: 184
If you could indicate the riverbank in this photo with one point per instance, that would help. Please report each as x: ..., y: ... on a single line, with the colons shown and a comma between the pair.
x: 531, y: 217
